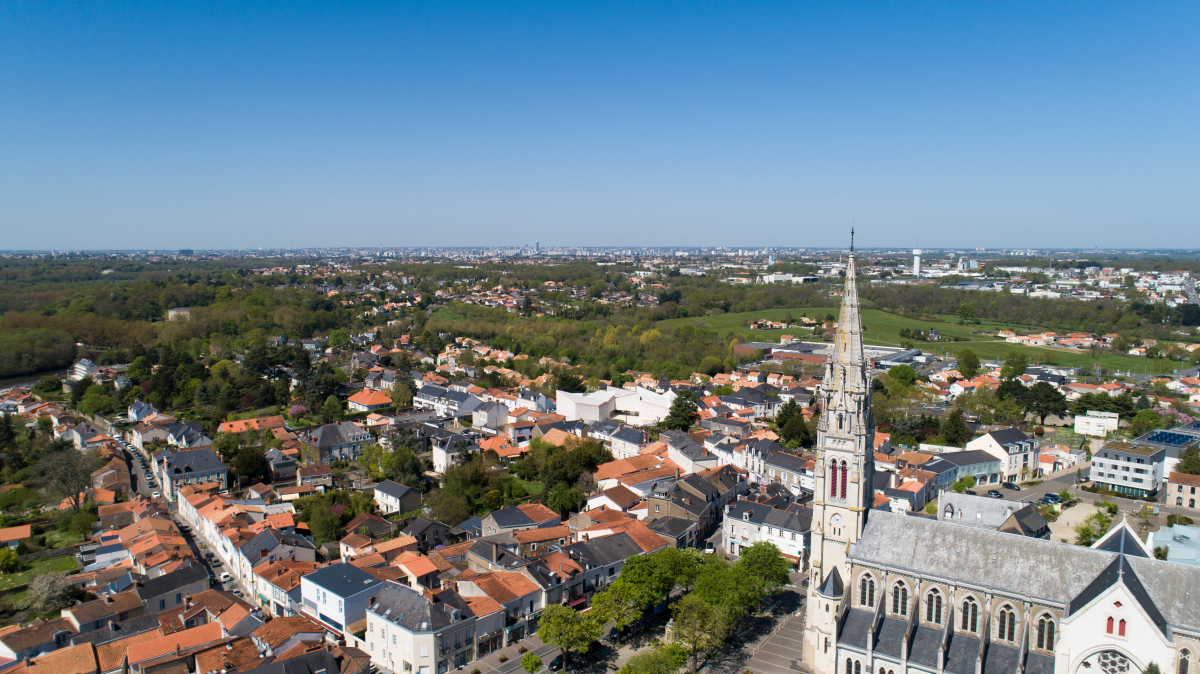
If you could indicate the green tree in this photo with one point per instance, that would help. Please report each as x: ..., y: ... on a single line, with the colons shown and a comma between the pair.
x: 563, y: 498
x: 683, y: 412
x: 448, y: 507
x: 250, y: 464
x: 569, y: 383
x: 8, y: 561
x: 82, y: 524
x: 402, y: 394
x: 621, y: 602
x: 566, y: 628
x: 1091, y: 529
x: 663, y: 660
x: 700, y: 627
x: 1189, y: 461
x: 331, y: 411
x: 325, y: 525
x: 1014, y: 365
x: 530, y: 662
x: 903, y: 375
x: 1144, y: 422
x: 931, y: 508
x: 338, y: 339
x: 963, y: 484
x: 1043, y: 399
x: 766, y: 568
x: 967, y: 312
x: 955, y: 430
x: 649, y: 577
x: 968, y: 363
x: 795, y: 432
x: 786, y: 411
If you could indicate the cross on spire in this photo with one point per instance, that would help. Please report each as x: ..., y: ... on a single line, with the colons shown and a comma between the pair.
x: 852, y: 239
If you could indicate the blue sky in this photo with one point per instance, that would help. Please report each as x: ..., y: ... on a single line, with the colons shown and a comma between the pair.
x: 208, y: 124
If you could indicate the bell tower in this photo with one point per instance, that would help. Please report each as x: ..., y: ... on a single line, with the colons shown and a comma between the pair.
x: 843, y: 492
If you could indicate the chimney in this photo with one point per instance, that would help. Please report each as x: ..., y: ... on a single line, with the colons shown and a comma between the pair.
x: 262, y: 553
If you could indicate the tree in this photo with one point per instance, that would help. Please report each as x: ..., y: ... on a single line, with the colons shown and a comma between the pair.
x: 663, y: 660
x: 903, y: 375
x: 766, y: 568
x: 651, y: 578
x: 331, y: 411
x: 795, y: 431
x: 588, y: 486
x: 1152, y: 668
x: 1014, y: 365
x: 1043, y: 399
x: 683, y: 411
x: 82, y: 524
x: 622, y: 602
x: 955, y: 431
x: 66, y: 473
x: 964, y: 484
x: 447, y: 507
x: 250, y: 462
x: 9, y: 563
x: 51, y: 592
x: 1189, y: 461
x: 325, y: 525
x: 699, y: 626
x: 563, y: 498
x: 1091, y: 529
x: 968, y: 363
x: 1144, y: 422
x: 338, y: 339
x: 566, y: 628
x: 966, y: 312
x: 931, y: 508
x: 569, y: 383
x: 402, y: 394
x: 786, y: 411
x: 530, y: 662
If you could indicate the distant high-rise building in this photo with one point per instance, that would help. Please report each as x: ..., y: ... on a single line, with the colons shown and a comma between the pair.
x: 916, y: 262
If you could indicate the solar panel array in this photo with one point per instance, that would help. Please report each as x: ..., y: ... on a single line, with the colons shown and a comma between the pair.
x: 1169, y: 438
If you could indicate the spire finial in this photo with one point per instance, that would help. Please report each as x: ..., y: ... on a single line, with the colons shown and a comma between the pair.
x: 852, y: 239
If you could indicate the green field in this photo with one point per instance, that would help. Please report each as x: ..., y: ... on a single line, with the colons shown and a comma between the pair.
x: 883, y: 328
x: 447, y: 315
x: 35, y: 569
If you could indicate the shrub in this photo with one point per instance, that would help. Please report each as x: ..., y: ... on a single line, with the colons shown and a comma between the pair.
x: 1110, y: 507
x: 503, y: 658
x: 1172, y: 520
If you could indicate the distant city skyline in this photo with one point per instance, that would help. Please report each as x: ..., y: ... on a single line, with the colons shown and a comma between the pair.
x: 226, y: 126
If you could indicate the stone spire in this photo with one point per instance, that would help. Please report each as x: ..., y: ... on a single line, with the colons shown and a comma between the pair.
x: 846, y: 374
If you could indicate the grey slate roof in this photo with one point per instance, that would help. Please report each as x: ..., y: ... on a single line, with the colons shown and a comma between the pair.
x: 605, y: 550
x: 343, y: 580
x: 976, y: 511
x: 195, y: 461
x: 171, y: 582
x: 410, y: 609
x: 981, y: 556
x: 393, y: 489
x: 967, y: 458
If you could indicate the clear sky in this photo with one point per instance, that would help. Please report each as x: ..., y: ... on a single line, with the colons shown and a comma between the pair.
x: 239, y: 124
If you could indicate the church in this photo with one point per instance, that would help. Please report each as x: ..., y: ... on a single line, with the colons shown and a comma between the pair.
x: 905, y: 594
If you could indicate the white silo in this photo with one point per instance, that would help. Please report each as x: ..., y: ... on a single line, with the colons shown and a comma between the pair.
x: 917, y: 262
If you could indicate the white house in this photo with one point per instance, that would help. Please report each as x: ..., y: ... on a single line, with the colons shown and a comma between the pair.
x: 408, y: 632
x: 337, y: 595
x: 1099, y: 424
x: 1015, y: 450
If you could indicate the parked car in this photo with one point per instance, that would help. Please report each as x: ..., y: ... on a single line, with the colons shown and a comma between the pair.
x: 1011, y: 485
x: 224, y: 577
x: 156, y: 495
x: 992, y: 493
x: 1051, y: 498
x: 709, y: 549
x: 557, y: 663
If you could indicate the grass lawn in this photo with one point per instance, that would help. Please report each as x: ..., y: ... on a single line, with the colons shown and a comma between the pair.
x: 531, y: 488
x: 447, y: 315
x: 883, y: 328
x: 36, y: 568
x: 60, y: 539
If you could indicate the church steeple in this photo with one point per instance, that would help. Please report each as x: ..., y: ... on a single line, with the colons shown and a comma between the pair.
x: 844, y: 474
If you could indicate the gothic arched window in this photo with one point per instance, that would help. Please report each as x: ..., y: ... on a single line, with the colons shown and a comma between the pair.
x: 840, y: 425
x: 1008, y: 625
x: 857, y: 667
x: 866, y: 591
x: 900, y: 599
x: 833, y: 481
x: 849, y: 665
x: 970, y: 615
x: 1184, y: 660
x: 933, y: 607
x: 845, y: 475
x: 1045, y: 637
